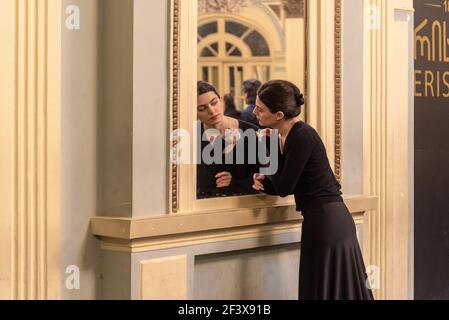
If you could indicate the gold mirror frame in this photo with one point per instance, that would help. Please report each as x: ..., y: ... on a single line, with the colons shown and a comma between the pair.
x: 323, y: 123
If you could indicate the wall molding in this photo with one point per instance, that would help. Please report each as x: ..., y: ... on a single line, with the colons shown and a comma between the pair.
x: 142, y: 234
x: 198, y: 238
x: 386, y: 114
x: 261, y: 232
x: 30, y: 130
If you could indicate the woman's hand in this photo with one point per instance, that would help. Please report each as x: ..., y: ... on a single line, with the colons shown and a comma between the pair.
x: 258, y: 185
x: 223, y: 179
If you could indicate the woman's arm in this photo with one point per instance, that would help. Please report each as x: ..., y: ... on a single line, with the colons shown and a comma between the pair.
x: 297, y: 153
x: 269, y: 187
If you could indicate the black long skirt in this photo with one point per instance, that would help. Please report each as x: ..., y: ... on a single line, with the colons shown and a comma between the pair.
x: 331, y: 265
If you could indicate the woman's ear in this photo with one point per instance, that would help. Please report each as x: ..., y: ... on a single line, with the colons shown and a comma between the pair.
x: 280, y: 116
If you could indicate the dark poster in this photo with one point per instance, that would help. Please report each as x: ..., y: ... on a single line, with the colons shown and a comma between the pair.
x: 431, y: 149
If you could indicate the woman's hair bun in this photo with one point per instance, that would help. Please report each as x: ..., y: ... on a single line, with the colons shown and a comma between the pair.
x: 299, y: 99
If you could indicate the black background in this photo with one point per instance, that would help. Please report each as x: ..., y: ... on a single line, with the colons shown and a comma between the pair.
x: 431, y: 174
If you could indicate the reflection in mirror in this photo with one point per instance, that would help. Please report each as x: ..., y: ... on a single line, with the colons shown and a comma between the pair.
x: 241, y: 44
x: 227, y: 148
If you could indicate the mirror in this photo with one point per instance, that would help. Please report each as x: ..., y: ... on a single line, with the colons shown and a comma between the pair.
x: 242, y: 44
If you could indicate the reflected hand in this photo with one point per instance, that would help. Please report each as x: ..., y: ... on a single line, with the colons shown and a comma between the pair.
x: 223, y: 179
x: 258, y: 185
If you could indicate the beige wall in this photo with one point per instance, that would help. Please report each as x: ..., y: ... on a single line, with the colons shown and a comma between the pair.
x: 117, y: 107
x: 81, y: 147
x: 96, y: 136
x: 97, y: 123
x: 116, y: 276
x: 352, y: 182
x: 151, y: 107
x: 135, y: 107
x: 259, y: 274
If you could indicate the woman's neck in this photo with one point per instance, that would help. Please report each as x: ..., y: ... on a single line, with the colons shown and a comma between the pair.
x: 285, y: 127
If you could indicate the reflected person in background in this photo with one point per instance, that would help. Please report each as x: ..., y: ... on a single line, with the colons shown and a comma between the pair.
x: 249, y: 89
x: 230, y: 108
x: 221, y: 179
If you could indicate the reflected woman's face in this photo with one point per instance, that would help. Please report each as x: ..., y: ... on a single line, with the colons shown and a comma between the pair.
x: 210, y: 109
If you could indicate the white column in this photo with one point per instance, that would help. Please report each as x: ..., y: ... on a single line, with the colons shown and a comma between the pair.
x: 386, y: 143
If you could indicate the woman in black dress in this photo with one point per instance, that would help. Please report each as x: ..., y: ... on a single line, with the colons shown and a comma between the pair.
x: 226, y: 177
x: 331, y: 263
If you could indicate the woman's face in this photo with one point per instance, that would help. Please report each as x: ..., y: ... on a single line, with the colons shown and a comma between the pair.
x: 210, y: 109
x: 265, y: 117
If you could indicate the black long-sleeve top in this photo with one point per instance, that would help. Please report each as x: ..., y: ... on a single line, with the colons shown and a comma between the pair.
x: 242, y: 174
x: 304, y: 170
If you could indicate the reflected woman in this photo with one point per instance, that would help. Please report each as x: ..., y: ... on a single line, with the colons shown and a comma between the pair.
x: 225, y: 177
x: 331, y: 263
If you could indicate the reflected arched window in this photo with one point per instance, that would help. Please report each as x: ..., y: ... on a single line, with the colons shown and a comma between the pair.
x: 230, y: 52
x: 258, y: 45
x: 207, y: 29
x: 255, y: 41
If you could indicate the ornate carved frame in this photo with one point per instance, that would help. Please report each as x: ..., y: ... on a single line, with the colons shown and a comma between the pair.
x: 174, y: 101
x: 338, y: 88
x: 325, y: 74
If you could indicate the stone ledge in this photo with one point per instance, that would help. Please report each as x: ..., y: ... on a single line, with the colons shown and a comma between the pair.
x: 130, y: 229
